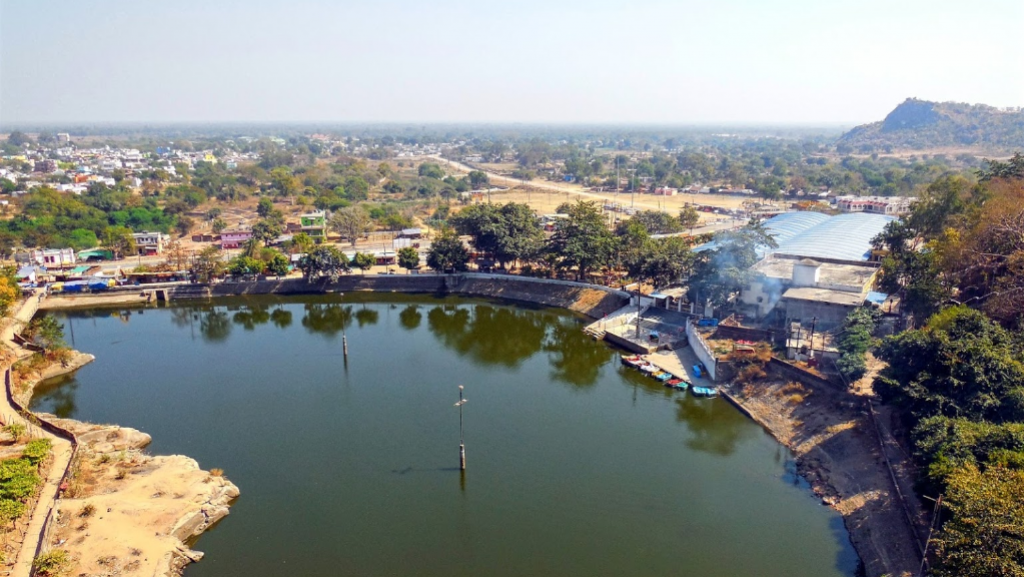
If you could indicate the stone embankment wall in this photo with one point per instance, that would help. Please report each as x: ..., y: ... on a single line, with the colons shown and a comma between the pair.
x: 591, y: 300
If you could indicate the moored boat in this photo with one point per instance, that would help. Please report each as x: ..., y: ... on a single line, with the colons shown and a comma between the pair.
x: 678, y: 384
x: 632, y: 361
x: 704, y: 391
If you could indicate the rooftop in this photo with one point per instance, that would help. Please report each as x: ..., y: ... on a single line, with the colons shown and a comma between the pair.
x: 829, y: 296
x: 829, y: 273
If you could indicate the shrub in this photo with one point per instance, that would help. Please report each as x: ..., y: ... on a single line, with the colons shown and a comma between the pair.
x: 15, y: 430
x: 216, y: 472
x: 750, y: 373
x: 18, y: 478
x: 52, y: 564
x: 36, y: 450
x: 87, y: 510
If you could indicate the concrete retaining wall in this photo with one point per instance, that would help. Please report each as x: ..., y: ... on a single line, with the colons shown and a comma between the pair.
x: 591, y: 300
x: 702, y: 350
x: 783, y: 370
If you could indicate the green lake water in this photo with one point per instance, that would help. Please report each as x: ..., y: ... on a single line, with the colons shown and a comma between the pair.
x: 576, y: 465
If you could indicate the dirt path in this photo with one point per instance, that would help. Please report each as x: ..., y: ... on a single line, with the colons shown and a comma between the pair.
x: 61, y: 447
x: 837, y: 450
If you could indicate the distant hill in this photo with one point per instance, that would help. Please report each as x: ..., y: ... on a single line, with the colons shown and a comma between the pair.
x: 920, y: 124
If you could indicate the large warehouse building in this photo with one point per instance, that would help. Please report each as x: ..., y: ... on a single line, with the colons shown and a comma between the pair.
x: 820, y: 271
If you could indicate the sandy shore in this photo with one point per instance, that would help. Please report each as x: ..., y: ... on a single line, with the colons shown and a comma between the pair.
x: 838, y: 452
x: 123, y: 511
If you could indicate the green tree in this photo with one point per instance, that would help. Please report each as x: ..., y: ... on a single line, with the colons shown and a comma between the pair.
x: 961, y: 365
x: 302, y: 243
x: 265, y: 232
x: 356, y: 188
x: 82, y: 238
x: 351, y: 223
x: 662, y: 262
x: 689, y: 217
x: 208, y: 264
x: 582, y: 242
x: 184, y: 225
x: 985, y: 535
x: 509, y: 232
x: 119, y: 239
x: 447, y: 253
x: 284, y: 181
x: 46, y: 331
x: 409, y: 258
x: 363, y: 261
x: 854, y: 342
x: 478, y: 179
x: 431, y: 170
x: 655, y: 221
x: 218, y: 225
x: 18, y: 138
x: 323, y: 262
x: 277, y: 264
x: 264, y: 207
x: 243, y: 265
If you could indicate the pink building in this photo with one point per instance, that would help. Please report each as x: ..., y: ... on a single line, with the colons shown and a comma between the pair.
x: 235, y: 238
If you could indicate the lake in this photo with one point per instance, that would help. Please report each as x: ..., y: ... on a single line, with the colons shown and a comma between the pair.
x: 576, y: 465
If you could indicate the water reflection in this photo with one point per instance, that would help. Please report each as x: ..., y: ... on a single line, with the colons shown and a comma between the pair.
x: 410, y: 317
x: 574, y: 357
x: 251, y: 316
x: 327, y: 319
x: 58, y: 395
x: 489, y: 335
x: 716, y: 426
x: 365, y: 316
x: 214, y: 325
x: 281, y: 317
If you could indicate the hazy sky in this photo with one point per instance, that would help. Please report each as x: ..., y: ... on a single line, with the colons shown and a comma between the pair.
x: 649, y: 61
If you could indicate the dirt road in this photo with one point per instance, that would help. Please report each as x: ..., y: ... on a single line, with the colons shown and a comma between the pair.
x: 61, y: 448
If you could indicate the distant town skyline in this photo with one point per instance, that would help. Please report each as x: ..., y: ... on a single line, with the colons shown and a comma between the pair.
x: 660, y: 62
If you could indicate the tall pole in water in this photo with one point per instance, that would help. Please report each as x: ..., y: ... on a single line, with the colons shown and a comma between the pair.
x: 462, y: 439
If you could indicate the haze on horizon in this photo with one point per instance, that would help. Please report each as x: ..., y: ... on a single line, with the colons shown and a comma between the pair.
x: 454, y: 61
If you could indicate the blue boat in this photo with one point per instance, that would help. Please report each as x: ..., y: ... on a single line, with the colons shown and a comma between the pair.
x: 704, y: 391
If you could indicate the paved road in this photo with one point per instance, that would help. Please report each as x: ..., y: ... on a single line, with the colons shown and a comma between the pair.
x: 61, y: 447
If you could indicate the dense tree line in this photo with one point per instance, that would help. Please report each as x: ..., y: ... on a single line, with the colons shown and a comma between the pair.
x: 958, y: 379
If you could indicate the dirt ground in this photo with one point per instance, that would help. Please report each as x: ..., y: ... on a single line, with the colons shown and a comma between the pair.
x: 839, y: 452
x: 127, y: 512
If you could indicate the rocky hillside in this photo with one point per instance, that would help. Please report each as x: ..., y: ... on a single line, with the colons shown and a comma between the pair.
x: 920, y: 124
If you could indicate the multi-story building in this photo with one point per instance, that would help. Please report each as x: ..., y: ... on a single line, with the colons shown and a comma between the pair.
x: 150, y: 243
x: 53, y: 257
x: 46, y: 165
x: 314, y: 224
x: 235, y: 238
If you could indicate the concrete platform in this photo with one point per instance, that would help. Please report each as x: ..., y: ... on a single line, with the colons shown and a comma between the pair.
x: 679, y: 362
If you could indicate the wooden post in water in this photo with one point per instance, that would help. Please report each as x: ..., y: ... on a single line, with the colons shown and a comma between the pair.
x: 344, y: 345
x: 462, y: 439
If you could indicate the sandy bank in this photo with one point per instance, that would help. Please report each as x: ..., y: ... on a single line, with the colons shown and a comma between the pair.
x: 838, y: 452
x: 122, y: 510
x: 125, y: 511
